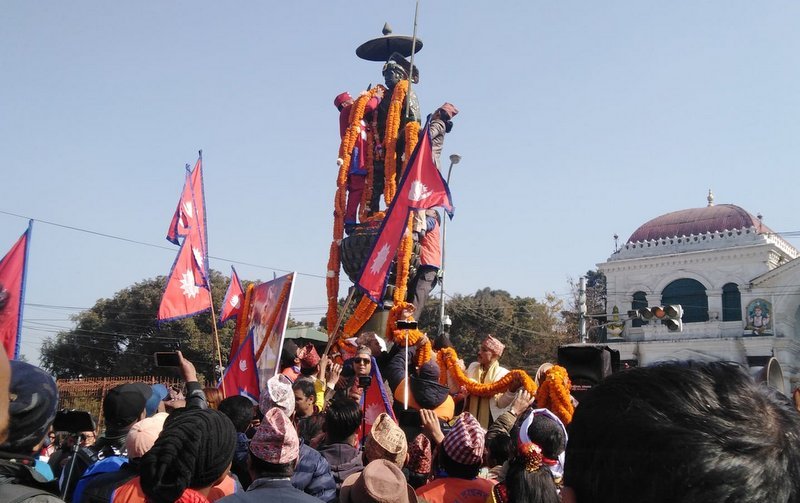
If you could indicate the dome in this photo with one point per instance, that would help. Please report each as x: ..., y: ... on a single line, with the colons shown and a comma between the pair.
x: 698, y: 221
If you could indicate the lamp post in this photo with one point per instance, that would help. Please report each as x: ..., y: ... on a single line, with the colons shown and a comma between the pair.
x: 454, y: 159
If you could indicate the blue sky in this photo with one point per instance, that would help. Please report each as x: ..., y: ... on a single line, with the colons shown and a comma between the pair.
x: 578, y: 120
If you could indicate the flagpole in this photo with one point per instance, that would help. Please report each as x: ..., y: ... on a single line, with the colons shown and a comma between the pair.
x: 413, y: 50
x: 332, y: 336
x: 216, y: 339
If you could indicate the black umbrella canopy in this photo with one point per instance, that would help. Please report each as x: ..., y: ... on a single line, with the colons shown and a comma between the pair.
x: 379, y: 49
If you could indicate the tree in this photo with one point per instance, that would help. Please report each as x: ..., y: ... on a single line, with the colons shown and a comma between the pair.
x: 595, y: 307
x: 530, y: 329
x: 118, y: 336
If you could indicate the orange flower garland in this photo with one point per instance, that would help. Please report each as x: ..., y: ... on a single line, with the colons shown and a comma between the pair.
x: 340, y: 200
x: 554, y: 393
x: 403, y: 263
x: 360, y: 316
x: 412, y: 138
x: 240, y: 332
x: 393, y: 120
x: 447, y: 359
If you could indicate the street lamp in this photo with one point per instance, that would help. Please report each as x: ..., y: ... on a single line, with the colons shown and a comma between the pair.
x: 454, y: 159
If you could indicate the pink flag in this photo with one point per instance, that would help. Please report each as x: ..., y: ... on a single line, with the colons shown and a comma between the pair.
x: 12, y: 279
x: 184, y: 213
x: 234, y: 297
x: 190, y: 215
x: 183, y: 296
x: 422, y: 187
x: 241, y: 376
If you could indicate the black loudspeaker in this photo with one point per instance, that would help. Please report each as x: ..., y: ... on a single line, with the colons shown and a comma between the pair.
x: 587, y: 365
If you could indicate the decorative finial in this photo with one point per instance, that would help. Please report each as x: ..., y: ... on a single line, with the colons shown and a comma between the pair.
x: 616, y: 242
x: 760, y: 216
x: 387, y: 29
x: 710, y: 198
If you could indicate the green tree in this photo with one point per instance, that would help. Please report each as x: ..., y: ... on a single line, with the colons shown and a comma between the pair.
x: 530, y: 329
x: 118, y: 336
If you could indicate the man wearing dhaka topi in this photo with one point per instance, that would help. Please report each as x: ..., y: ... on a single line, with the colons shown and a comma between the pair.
x: 486, y: 371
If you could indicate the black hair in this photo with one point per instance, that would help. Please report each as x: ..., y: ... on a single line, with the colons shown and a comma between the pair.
x: 288, y: 354
x: 262, y: 469
x: 442, y: 341
x: 456, y: 469
x: 499, y: 448
x: 306, y: 387
x: 694, y: 431
x: 535, y: 486
x: 308, y: 371
x: 240, y: 411
x: 342, y: 419
x: 544, y: 432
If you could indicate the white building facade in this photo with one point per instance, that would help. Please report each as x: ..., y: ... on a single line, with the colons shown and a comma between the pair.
x: 737, y: 280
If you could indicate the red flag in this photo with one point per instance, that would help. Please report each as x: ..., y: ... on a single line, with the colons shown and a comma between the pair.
x: 234, y: 297
x: 422, y: 187
x: 241, y: 376
x: 377, y: 401
x: 190, y: 215
x: 12, y: 279
x: 184, y: 213
x: 183, y: 296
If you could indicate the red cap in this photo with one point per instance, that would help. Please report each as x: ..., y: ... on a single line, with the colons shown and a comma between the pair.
x: 339, y: 100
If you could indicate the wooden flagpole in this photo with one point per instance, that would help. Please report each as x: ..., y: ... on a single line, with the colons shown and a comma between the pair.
x: 332, y: 337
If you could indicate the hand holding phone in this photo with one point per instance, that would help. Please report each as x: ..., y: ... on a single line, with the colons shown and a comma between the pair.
x: 167, y: 359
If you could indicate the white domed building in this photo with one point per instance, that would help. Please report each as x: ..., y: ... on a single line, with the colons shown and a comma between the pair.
x: 737, y: 280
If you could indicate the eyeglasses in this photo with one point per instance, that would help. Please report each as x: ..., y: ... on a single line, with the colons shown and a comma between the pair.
x: 362, y: 361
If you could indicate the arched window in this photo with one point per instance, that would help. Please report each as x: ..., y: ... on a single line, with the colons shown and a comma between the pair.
x: 731, y: 303
x: 639, y: 301
x: 689, y: 293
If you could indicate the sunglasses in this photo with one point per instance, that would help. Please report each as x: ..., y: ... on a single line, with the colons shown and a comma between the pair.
x: 362, y: 361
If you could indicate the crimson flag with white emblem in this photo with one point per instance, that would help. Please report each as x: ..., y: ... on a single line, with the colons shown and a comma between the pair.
x: 234, y: 296
x: 422, y: 187
x: 184, y: 296
x: 190, y: 215
x: 241, y: 376
x: 12, y: 295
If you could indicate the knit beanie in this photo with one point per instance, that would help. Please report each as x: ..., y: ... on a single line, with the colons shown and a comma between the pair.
x: 32, y: 406
x: 193, y: 450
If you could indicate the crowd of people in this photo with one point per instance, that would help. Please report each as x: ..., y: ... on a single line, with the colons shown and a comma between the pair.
x: 681, y: 431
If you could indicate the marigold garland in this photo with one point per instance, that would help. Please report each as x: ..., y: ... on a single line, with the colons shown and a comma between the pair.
x: 274, y: 316
x: 366, y: 194
x: 448, y: 358
x: 391, y: 133
x: 554, y: 394
x: 240, y: 331
x: 403, y: 262
x: 412, y: 138
x: 360, y: 316
x: 340, y: 201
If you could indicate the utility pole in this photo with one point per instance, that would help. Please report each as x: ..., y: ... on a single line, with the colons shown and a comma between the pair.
x: 582, y: 309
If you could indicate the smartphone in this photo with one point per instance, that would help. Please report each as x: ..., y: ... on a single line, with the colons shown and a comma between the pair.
x: 364, y: 381
x: 407, y: 325
x: 167, y: 359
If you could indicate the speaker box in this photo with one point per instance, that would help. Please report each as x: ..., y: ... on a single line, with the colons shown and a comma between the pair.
x: 587, y: 365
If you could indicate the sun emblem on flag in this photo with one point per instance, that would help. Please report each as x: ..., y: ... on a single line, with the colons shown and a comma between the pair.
x: 418, y: 191
x: 234, y: 302
x: 187, y: 285
x: 380, y: 259
x: 243, y: 365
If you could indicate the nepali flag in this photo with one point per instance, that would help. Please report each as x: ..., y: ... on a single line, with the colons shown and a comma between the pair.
x: 234, y: 297
x: 421, y: 187
x: 190, y: 215
x: 183, y: 295
x: 377, y: 401
x: 241, y: 376
x: 12, y: 279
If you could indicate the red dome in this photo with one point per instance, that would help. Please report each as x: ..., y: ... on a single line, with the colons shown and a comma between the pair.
x: 698, y: 221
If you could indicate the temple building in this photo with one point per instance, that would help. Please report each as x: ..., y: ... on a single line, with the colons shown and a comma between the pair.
x: 737, y: 281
